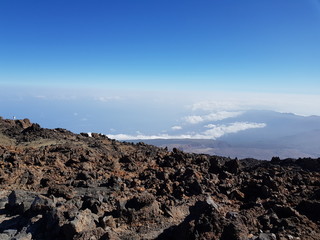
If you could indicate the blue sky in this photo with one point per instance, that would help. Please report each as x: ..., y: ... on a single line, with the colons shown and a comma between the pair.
x: 187, y: 48
x: 254, y: 45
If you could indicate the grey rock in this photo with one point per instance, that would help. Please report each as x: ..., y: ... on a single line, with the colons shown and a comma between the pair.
x: 232, y: 215
x: 4, y: 236
x: 267, y: 236
x: 210, y: 201
x: 10, y: 232
x: 3, y: 202
x: 3, y: 198
x: 23, y: 235
x: 84, y: 221
x: 139, y: 202
x: 20, y: 201
x: 42, y: 203
x: 108, y: 221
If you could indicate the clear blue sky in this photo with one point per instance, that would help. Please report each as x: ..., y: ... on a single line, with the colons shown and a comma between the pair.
x: 247, y: 45
x: 107, y: 66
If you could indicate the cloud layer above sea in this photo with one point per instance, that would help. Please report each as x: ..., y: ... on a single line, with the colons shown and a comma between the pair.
x: 213, y: 132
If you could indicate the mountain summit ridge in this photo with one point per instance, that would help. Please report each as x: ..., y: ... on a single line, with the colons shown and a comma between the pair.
x: 56, y: 184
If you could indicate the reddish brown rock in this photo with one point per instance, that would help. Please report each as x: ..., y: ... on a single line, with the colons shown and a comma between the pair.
x: 59, y: 185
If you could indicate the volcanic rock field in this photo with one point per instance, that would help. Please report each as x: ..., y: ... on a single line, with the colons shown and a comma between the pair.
x: 55, y: 184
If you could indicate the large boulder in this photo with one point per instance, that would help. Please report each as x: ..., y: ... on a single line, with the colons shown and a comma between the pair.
x: 20, y: 201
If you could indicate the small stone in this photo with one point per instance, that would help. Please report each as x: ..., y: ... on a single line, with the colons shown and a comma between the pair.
x: 4, y: 236
x: 232, y: 215
x: 10, y: 232
x: 210, y: 201
x: 108, y: 221
x: 23, y: 236
x: 267, y: 236
x: 61, y: 191
x: 237, y: 194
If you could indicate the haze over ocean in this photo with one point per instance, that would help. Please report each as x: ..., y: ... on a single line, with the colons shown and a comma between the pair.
x: 149, y: 67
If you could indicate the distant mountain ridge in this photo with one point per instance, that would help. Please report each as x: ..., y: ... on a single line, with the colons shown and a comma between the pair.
x: 285, y: 135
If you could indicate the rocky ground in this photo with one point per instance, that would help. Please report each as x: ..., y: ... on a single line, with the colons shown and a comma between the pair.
x: 59, y: 185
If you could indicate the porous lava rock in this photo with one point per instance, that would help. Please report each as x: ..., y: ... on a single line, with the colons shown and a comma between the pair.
x: 55, y: 184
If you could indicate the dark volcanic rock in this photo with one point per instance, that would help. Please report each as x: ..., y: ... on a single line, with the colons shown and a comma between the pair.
x: 20, y: 201
x: 311, y: 209
x: 141, y: 201
x: 60, y: 185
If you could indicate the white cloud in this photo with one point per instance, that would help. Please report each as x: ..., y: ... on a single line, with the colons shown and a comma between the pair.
x: 107, y: 99
x: 194, y: 119
x: 217, y: 116
x: 214, y: 132
x: 147, y: 137
x: 176, y: 128
x: 217, y: 131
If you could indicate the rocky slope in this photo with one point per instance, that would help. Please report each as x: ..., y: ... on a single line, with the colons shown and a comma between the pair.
x: 59, y: 185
